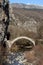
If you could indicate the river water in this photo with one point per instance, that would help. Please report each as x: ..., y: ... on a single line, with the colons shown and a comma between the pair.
x: 17, y: 58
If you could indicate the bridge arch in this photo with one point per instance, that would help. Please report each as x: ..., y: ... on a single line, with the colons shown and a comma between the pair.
x: 10, y: 43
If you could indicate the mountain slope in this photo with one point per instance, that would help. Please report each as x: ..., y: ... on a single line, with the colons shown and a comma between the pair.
x: 26, y: 21
x: 20, y: 5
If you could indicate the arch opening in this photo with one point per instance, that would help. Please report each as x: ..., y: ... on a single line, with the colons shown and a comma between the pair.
x: 23, y: 41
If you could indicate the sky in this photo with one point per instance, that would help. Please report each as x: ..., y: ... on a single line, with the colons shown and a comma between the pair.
x: 38, y: 2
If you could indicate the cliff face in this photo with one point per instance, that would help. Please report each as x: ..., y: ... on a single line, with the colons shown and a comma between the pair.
x: 26, y: 20
x: 2, y: 17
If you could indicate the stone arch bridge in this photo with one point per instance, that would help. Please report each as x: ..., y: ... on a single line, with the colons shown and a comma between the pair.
x: 10, y: 43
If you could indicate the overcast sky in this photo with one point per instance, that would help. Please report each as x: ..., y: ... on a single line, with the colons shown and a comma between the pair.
x: 38, y: 2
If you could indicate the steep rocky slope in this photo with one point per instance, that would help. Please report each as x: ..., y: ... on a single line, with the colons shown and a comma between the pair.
x: 26, y: 20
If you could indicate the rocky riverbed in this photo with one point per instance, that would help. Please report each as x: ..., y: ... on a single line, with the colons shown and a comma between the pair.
x: 27, y: 57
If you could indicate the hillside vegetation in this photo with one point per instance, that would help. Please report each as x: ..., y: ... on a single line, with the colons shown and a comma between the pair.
x: 26, y: 20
